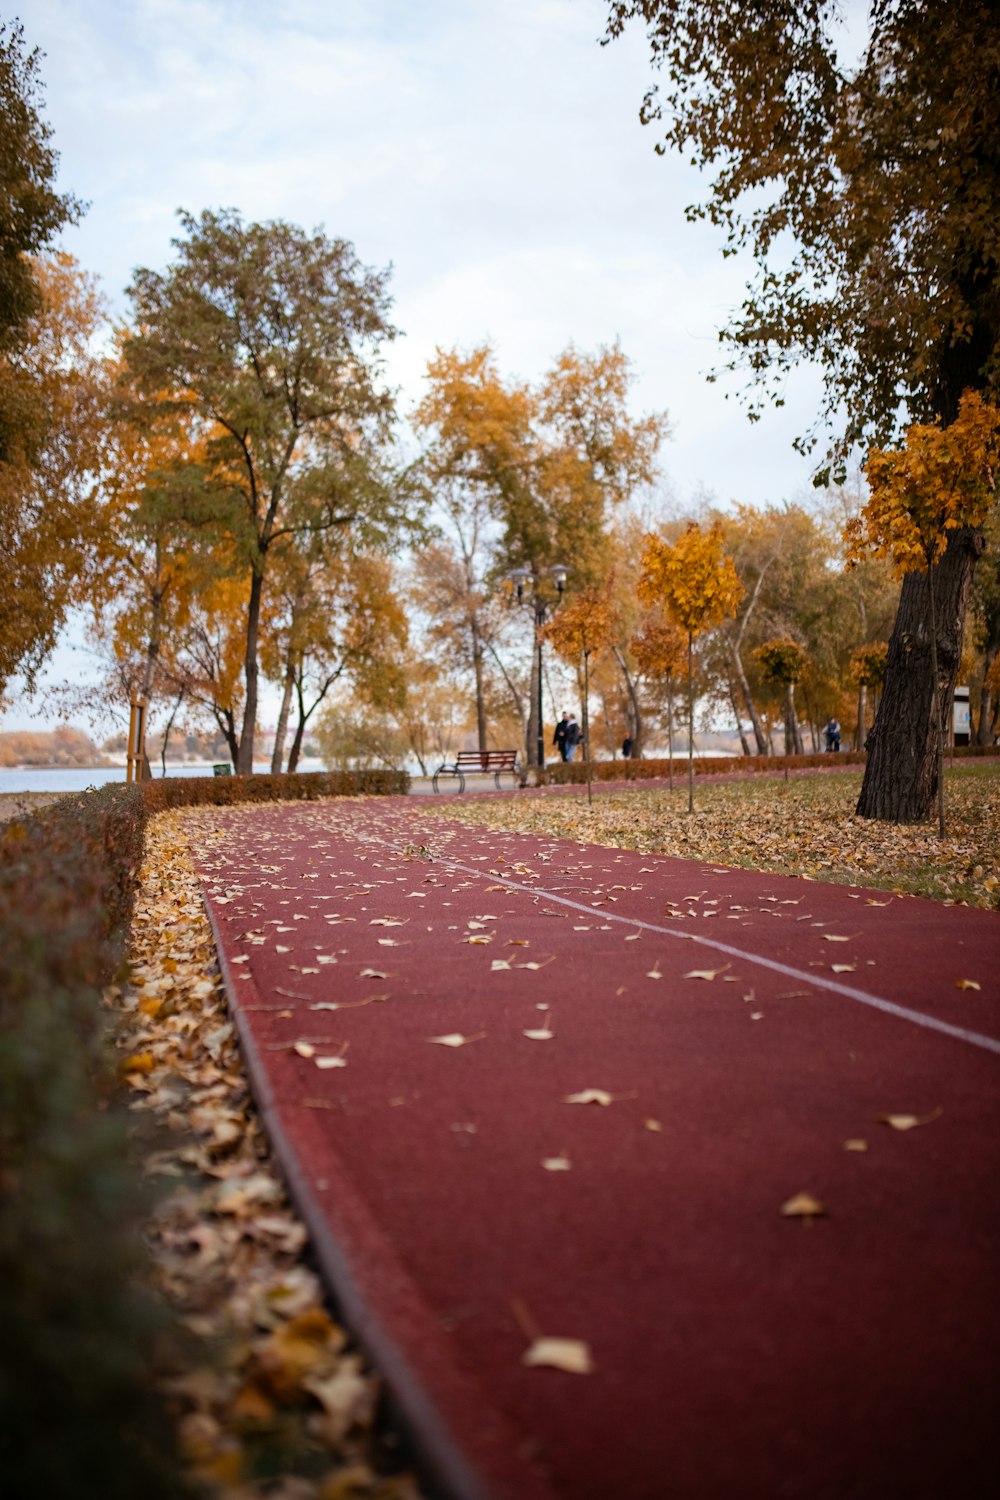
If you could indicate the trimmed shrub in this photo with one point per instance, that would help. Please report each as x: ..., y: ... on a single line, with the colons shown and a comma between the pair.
x: 79, y: 1330
x: 305, y: 786
x: 573, y: 772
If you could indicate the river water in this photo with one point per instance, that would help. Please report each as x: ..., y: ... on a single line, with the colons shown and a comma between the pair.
x: 79, y: 778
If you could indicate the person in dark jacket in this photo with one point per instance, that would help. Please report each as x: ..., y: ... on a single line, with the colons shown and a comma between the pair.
x: 559, y: 738
x: 572, y: 737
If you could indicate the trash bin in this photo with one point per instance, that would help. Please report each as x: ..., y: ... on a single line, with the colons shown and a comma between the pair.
x: 224, y: 770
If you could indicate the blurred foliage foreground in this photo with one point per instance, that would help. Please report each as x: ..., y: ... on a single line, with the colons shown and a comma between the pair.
x: 81, y: 1334
x: 805, y: 826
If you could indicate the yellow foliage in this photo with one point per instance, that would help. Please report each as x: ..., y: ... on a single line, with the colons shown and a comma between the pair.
x: 693, y: 579
x: 867, y: 665
x: 942, y: 479
x: 585, y: 625
x: 781, y: 660
x: 660, y: 648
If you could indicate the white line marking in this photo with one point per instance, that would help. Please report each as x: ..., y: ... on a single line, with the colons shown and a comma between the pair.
x: 889, y: 1007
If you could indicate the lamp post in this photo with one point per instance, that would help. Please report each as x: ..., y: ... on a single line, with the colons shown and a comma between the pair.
x: 521, y: 579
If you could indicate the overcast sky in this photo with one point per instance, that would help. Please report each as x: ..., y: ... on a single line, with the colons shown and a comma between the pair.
x: 489, y: 149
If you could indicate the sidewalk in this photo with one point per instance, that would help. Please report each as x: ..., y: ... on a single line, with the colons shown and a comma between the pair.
x: 420, y: 1002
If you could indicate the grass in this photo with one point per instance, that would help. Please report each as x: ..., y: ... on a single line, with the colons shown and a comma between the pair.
x: 803, y: 827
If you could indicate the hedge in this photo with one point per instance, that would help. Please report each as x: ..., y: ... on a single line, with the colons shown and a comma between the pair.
x: 641, y: 770
x: 79, y: 1330
x: 575, y: 771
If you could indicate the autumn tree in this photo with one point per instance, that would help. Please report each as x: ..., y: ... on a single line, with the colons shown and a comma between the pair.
x: 328, y: 619
x: 275, y: 337
x: 202, y: 655
x: 867, y: 671
x: 867, y: 196
x: 149, y: 564
x: 783, y: 662
x: 697, y: 585
x: 544, y: 464
x: 941, y: 482
x: 582, y: 628
x: 660, y: 651
x: 50, y: 536
x: 31, y: 214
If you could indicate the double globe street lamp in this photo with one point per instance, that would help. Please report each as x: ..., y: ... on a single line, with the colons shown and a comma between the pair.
x: 533, y: 579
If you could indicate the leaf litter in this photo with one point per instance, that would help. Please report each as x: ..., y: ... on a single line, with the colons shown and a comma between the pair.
x: 264, y: 1377
x: 807, y: 828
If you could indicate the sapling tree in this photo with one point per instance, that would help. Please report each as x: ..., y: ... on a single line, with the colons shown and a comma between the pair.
x: 782, y: 661
x: 580, y: 629
x: 696, y: 583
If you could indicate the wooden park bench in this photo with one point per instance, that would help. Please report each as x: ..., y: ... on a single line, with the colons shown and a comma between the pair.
x: 479, y: 762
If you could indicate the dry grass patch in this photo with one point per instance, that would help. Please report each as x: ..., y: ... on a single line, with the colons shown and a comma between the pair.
x: 802, y: 827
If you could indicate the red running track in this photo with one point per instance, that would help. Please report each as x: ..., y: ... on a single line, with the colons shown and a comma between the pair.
x: 736, y: 1352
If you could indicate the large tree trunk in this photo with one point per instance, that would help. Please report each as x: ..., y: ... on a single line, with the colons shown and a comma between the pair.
x: 244, y: 762
x: 900, y: 782
x: 277, y: 754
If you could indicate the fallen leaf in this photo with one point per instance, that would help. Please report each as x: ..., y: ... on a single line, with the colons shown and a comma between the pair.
x: 557, y: 1163
x: 835, y: 937
x: 908, y: 1122
x: 967, y: 984
x: 855, y: 1145
x: 498, y: 964
x: 653, y: 1125
x: 304, y: 1049
x: 330, y: 1062
x: 653, y: 974
x: 543, y: 1035
x: 372, y: 974
x: 589, y: 1096
x: 139, y: 1062
x: 571, y: 1355
x: 705, y: 973
x: 843, y: 968
x: 386, y: 922
x: 633, y: 937
x: 803, y: 1206
x: 456, y: 1039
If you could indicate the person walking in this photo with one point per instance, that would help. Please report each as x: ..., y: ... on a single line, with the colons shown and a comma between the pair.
x: 832, y: 733
x: 572, y: 738
x: 559, y: 738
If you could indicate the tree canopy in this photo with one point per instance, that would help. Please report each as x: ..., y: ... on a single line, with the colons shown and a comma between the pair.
x: 274, y: 338
x: 31, y: 211
x: 866, y: 193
